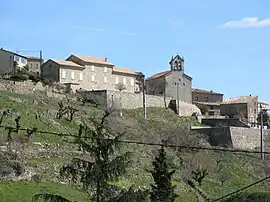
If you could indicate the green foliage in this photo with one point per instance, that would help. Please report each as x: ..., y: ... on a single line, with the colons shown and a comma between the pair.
x: 49, y: 198
x: 102, y: 166
x: 249, y: 197
x: 19, y: 77
x: 23, y: 191
x: 163, y: 190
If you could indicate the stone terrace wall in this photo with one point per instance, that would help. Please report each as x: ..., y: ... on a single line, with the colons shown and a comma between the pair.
x: 247, y: 138
x: 235, y: 137
x: 135, y: 100
x: 28, y: 87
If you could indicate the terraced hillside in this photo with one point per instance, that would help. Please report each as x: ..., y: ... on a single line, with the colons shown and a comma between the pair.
x: 42, y: 155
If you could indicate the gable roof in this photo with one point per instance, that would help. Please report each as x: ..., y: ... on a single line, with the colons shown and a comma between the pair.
x: 92, y: 59
x: 162, y: 74
x: 33, y: 58
x: 124, y: 70
x: 13, y: 53
x: 197, y: 90
x: 158, y: 75
x: 67, y: 63
x: 239, y: 100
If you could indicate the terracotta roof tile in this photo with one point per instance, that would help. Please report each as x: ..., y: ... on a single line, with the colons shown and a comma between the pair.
x: 67, y: 63
x: 124, y: 70
x: 158, y: 75
x: 33, y: 57
x: 92, y: 59
x: 197, y: 90
x: 238, y: 100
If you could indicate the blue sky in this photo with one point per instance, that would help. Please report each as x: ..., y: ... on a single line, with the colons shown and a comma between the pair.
x: 225, y: 43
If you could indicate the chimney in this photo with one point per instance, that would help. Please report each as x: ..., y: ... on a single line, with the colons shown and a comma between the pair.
x: 106, y: 59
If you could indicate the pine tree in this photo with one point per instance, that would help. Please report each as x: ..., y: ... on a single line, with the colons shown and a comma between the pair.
x: 101, y: 165
x: 162, y: 190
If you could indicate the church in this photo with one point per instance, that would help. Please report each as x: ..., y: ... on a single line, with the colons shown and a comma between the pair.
x: 173, y: 83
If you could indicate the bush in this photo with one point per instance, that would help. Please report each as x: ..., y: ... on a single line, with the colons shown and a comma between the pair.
x: 19, y: 77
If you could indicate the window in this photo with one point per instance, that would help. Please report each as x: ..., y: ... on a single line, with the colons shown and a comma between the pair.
x: 124, y: 81
x: 36, y: 66
x: 132, y: 82
x: 105, y: 69
x: 93, y: 77
x: 81, y: 76
x: 105, y: 79
x: 31, y: 65
x: 116, y: 80
x: 197, y: 98
x: 206, y: 99
x: 72, y: 75
x: 92, y: 68
x: 63, y: 74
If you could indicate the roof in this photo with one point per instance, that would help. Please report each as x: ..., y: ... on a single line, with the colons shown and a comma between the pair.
x: 158, y: 75
x: 33, y: 57
x: 67, y: 63
x: 207, y: 103
x: 239, y: 100
x: 124, y: 70
x: 92, y: 59
x: 13, y: 53
x: 162, y: 74
x: 197, y: 90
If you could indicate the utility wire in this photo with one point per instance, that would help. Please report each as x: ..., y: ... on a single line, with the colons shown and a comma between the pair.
x: 242, y: 189
x: 140, y: 142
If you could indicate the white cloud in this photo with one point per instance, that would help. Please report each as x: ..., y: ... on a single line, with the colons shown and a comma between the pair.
x: 94, y: 29
x: 248, y: 22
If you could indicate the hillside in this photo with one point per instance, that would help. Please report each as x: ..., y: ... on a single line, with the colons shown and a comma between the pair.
x: 44, y: 154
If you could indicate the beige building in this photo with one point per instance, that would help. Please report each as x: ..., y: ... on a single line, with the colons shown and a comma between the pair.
x: 207, y: 101
x: 243, y: 107
x: 90, y: 73
x: 34, y: 63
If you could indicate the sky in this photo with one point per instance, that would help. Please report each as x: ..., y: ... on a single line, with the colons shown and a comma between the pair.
x: 225, y: 43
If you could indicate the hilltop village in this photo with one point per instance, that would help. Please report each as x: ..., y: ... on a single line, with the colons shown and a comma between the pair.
x: 170, y: 89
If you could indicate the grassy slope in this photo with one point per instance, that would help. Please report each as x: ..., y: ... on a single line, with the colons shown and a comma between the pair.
x: 23, y: 191
x: 238, y: 170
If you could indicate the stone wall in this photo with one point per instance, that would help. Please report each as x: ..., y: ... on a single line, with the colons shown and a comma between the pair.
x: 134, y: 100
x: 234, y: 137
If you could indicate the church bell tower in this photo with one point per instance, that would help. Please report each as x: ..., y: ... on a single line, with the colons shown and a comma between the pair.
x: 177, y: 63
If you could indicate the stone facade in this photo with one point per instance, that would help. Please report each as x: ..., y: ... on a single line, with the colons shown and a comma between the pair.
x: 199, y: 95
x: 92, y: 73
x: 243, y: 107
x: 34, y: 64
x: 135, y: 100
x: 207, y: 101
x: 8, y: 59
x: 173, y: 83
x: 234, y: 137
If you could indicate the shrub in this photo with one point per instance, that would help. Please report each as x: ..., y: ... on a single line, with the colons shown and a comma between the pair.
x: 19, y: 77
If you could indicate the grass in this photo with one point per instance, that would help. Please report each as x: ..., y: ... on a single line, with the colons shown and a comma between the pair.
x: 23, y: 191
x: 237, y: 170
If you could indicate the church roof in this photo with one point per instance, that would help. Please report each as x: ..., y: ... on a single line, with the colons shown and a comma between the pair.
x: 163, y: 74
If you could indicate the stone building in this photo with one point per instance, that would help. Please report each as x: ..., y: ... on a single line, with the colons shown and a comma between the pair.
x: 243, y: 107
x: 91, y: 73
x: 9, y: 61
x: 34, y: 64
x: 173, y: 83
x: 207, y: 101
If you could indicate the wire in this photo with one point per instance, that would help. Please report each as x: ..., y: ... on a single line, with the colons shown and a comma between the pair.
x: 239, y: 190
x: 144, y: 143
